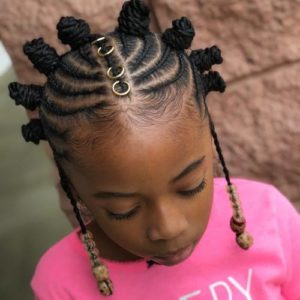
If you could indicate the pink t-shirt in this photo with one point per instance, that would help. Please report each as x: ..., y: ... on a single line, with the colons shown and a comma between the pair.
x: 218, y: 269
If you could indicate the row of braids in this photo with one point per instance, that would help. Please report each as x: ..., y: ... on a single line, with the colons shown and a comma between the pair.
x: 80, y: 87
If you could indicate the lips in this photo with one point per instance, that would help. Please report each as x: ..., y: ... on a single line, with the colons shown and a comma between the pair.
x: 171, y: 253
x: 175, y: 258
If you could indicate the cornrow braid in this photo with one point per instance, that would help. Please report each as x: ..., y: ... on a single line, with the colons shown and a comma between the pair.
x: 91, y: 84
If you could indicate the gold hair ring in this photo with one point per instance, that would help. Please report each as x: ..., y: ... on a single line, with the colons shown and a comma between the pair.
x: 118, y: 93
x: 112, y: 48
x: 98, y: 40
x: 111, y: 76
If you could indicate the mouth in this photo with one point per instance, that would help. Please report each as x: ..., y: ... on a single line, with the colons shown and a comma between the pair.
x: 173, y: 258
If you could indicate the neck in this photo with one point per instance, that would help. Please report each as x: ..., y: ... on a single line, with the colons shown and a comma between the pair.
x: 108, y: 249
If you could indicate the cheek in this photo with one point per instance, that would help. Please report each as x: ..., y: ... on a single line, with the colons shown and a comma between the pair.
x: 201, y: 208
x: 127, y: 234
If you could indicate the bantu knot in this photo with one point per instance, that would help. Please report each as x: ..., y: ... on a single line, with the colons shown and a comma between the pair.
x: 43, y: 57
x: 212, y: 81
x: 27, y: 95
x: 181, y: 35
x: 205, y: 58
x: 33, y: 131
x: 73, y: 32
x: 134, y: 18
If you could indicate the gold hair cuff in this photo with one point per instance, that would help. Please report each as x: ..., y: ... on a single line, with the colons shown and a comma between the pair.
x: 117, y: 84
x: 112, y: 76
x: 120, y: 93
x: 112, y: 48
x: 102, y: 38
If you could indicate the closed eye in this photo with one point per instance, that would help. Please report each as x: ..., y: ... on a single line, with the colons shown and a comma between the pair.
x: 196, y: 190
x: 129, y: 214
x: 122, y: 216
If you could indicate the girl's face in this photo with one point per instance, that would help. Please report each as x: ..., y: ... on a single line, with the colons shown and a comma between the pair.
x: 150, y: 193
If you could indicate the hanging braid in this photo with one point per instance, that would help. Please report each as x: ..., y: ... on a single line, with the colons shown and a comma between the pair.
x: 78, y: 90
x: 66, y: 186
x: 219, y: 149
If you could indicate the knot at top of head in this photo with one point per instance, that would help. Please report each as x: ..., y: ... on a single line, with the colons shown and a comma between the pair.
x: 213, y: 81
x: 33, y: 131
x: 43, y: 57
x: 27, y: 95
x: 181, y: 35
x: 134, y: 18
x: 73, y: 32
x: 204, y: 59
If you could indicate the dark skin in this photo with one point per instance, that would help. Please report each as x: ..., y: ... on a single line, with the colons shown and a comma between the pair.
x: 144, y: 162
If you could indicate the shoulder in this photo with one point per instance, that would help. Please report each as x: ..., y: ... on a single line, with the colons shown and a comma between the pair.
x: 251, y: 189
x: 62, y: 252
x: 266, y: 193
x: 58, y: 263
x: 243, y: 183
x: 274, y: 223
x: 260, y: 200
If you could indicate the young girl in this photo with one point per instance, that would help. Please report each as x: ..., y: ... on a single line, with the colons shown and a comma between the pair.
x: 125, y: 114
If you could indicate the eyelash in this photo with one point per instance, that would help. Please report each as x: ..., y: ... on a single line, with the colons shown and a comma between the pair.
x: 190, y: 193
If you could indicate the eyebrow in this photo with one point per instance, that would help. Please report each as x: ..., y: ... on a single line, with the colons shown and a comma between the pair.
x: 187, y: 170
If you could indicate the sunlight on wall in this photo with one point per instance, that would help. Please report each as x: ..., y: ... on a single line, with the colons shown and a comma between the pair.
x: 5, y: 62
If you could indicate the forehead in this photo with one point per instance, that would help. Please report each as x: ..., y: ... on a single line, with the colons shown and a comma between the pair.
x: 144, y: 153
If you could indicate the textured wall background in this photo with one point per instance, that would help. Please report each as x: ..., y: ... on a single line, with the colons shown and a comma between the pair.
x: 258, y: 116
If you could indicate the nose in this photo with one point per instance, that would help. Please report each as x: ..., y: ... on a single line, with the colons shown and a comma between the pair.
x: 167, y: 222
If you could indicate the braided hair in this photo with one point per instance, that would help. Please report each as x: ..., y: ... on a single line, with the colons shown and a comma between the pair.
x: 158, y: 68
